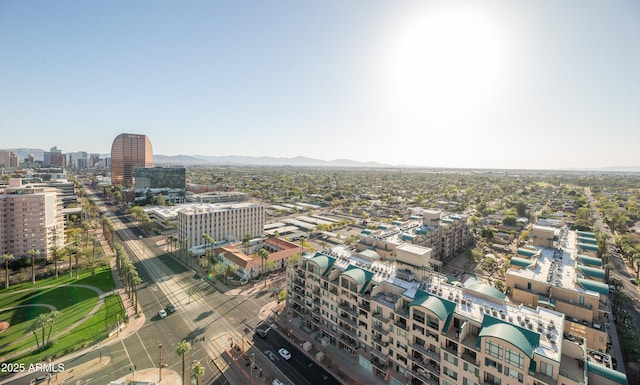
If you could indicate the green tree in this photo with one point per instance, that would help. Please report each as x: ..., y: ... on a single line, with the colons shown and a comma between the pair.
x: 160, y: 201
x: 7, y: 257
x: 264, y: 256
x: 33, y: 253
x: 183, y: 348
x: 509, y: 220
x: 197, y: 370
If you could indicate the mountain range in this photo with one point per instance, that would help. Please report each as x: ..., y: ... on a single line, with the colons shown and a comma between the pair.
x: 298, y: 161
x: 239, y: 160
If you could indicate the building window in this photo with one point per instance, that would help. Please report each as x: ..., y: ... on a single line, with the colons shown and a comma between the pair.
x: 513, y: 373
x: 450, y: 372
x: 514, y: 358
x: 546, y: 369
x: 451, y: 358
x: 493, y: 364
x: 493, y: 349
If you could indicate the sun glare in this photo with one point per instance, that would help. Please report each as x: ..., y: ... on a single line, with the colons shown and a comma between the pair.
x: 445, y: 59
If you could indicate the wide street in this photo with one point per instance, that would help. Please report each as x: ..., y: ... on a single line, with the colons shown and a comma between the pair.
x: 204, y: 316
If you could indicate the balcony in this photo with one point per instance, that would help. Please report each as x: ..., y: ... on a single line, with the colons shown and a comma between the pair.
x: 345, y: 306
x: 380, y: 355
x: 380, y: 317
x: 471, y: 358
x: 424, y: 350
x: 424, y: 376
x: 380, y: 329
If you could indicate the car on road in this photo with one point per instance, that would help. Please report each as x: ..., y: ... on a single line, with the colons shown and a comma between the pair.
x: 261, y: 333
x: 162, y: 313
x: 277, y: 382
x: 171, y: 308
x: 284, y: 353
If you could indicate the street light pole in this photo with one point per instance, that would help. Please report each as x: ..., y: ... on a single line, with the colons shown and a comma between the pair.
x: 160, y: 366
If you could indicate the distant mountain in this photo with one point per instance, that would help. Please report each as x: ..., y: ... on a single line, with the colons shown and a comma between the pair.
x: 23, y: 153
x: 238, y: 160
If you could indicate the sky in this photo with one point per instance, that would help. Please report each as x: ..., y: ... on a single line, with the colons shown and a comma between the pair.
x: 542, y: 84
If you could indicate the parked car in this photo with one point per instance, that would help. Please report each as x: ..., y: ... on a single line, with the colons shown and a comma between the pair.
x: 284, y: 353
x: 162, y: 313
x: 261, y: 333
x: 277, y: 382
x: 171, y: 308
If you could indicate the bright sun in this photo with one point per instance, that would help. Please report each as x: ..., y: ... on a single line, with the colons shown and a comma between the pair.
x: 446, y: 58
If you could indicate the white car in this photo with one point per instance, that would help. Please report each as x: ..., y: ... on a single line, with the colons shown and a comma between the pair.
x: 284, y: 353
x: 277, y: 382
x: 162, y: 313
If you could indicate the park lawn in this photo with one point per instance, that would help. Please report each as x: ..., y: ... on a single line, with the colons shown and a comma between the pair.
x: 99, y: 277
x: 90, y: 332
x: 73, y: 303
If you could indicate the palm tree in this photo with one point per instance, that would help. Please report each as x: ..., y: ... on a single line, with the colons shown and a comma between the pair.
x: 72, y: 249
x: 50, y: 320
x: 56, y: 252
x: 77, y: 255
x: 264, y: 255
x: 182, y: 349
x: 197, y: 370
x: 33, y: 253
x: 7, y: 257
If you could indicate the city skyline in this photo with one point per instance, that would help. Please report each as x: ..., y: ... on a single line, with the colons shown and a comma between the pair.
x: 461, y: 84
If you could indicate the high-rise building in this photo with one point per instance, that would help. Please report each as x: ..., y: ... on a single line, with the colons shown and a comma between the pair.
x: 128, y: 152
x: 168, y: 181
x: 54, y: 158
x: 8, y: 160
x: 30, y: 218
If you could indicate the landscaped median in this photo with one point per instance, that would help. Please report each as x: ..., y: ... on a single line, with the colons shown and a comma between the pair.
x: 54, y: 317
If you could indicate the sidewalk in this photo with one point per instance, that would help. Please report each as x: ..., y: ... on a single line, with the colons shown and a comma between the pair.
x: 341, y: 364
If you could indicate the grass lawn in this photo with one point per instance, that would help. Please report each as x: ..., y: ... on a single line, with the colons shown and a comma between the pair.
x: 73, y: 303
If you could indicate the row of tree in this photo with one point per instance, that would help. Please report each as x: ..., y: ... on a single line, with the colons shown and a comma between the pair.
x: 128, y: 274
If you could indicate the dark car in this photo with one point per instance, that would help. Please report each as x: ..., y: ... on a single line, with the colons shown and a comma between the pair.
x: 171, y: 308
x: 261, y: 333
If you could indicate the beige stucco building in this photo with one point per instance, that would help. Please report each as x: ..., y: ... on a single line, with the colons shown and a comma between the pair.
x: 30, y: 218
x: 405, y: 327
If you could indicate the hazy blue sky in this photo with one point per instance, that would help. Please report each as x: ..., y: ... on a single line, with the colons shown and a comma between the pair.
x: 504, y: 84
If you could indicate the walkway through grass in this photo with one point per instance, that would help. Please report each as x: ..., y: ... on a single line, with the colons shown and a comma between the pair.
x: 22, y: 303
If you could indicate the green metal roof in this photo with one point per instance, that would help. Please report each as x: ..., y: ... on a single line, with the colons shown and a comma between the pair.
x: 321, y: 260
x: 487, y: 290
x: 592, y: 272
x: 603, y: 371
x: 439, y: 306
x: 521, y: 262
x: 587, y: 260
x: 324, y: 262
x: 598, y: 287
x: 527, y: 252
x: 407, y: 237
x: 586, y: 234
x: 586, y: 246
x: 591, y: 241
x: 370, y: 254
x: 358, y: 275
x: 523, y: 339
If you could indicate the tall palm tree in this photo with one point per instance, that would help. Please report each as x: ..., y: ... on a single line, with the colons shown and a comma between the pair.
x: 71, y: 249
x: 56, y: 252
x: 33, y: 253
x: 7, y: 257
x: 197, y: 370
x: 264, y: 255
x: 50, y: 320
x: 182, y: 349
